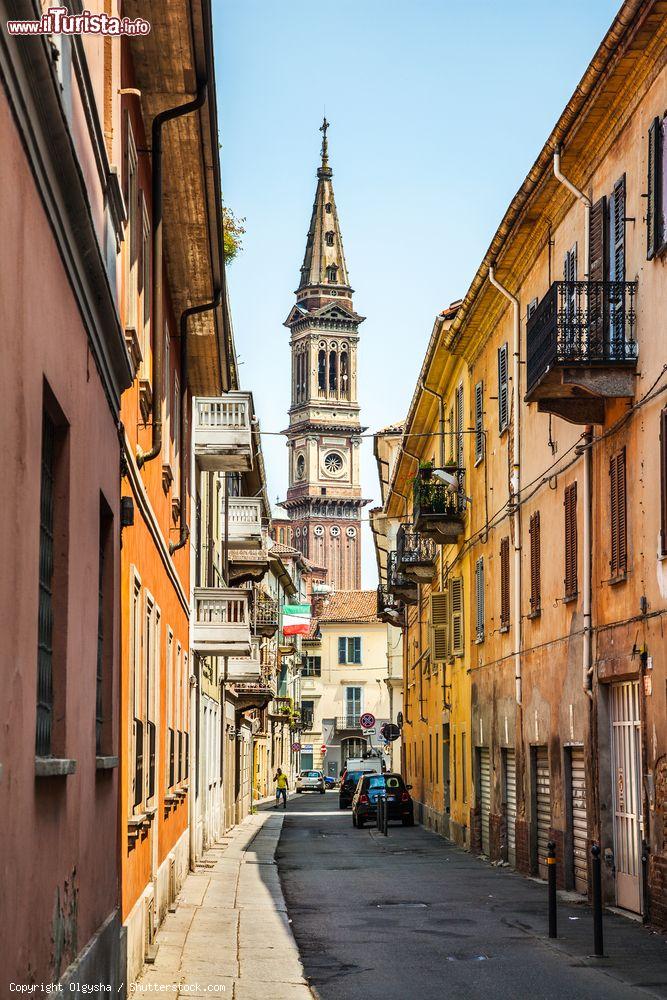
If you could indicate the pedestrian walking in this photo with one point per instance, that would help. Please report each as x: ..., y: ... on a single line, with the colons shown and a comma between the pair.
x: 282, y: 784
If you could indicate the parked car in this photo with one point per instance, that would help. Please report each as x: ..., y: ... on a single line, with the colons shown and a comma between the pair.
x: 329, y: 781
x: 348, y: 783
x: 310, y: 781
x: 370, y: 787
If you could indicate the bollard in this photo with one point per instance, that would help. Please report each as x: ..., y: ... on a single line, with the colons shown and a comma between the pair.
x: 551, y: 872
x: 598, y: 945
x: 385, y: 812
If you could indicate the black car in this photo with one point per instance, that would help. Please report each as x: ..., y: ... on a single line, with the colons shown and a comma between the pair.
x: 399, y: 801
x: 348, y: 783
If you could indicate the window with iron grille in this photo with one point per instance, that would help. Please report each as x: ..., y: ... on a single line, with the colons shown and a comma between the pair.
x: 663, y: 482
x: 505, y: 584
x: 349, y: 650
x: 503, y: 388
x: 570, y: 505
x: 46, y: 566
x: 479, y: 422
x: 535, y: 568
x: 618, y: 563
x: 479, y: 600
x: 656, y: 204
x: 312, y: 667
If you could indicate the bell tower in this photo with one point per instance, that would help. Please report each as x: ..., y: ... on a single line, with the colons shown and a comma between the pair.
x: 324, y: 435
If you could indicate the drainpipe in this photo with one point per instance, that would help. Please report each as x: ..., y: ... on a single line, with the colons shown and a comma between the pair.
x: 157, y: 304
x: 515, y: 481
x: 185, y: 315
x: 588, y: 560
x: 586, y: 202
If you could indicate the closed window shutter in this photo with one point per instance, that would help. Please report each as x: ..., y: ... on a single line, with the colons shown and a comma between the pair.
x: 570, y: 504
x: 617, y: 234
x: 663, y: 482
x: 357, y: 650
x: 438, y: 616
x: 479, y: 599
x: 597, y: 240
x: 456, y: 608
x: 479, y: 421
x: 534, y: 531
x: 342, y: 658
x: 459, y: 426
x: 618, y: 563
x: 653, y: 213
x: 504, y: 583
x: 502, y: 388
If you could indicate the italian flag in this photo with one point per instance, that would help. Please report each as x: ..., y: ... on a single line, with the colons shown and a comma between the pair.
x: 296, y: 619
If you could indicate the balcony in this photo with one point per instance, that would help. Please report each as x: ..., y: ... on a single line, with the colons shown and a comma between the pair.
x: 415, y: 554
x: 439, y: 504
x: 244, y: 524
x: 221, y: 622
x: 348, y: 724
x: 581, y: 349
x: 243, y: 670
x: 265, y: 616
x: 223, y: 432
x: 389, y: 609
x: 398, y: 585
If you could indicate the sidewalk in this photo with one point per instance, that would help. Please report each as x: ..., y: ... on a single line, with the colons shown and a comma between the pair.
x: 230, y: 936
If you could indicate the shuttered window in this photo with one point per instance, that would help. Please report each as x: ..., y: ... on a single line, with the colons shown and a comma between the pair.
x: 459, y: 426
x: 618, y: 515
x: 597, y: 241
x: 505, y: 584
x: 570, y: 505
x: 663, y: 482
x: 656, y: 208
x: 503, y: 388
x: 349, y: 650
x: 535, y: 572
x: 479, y: 600
x: 438, y: 625
x: 617, y: 232
x: 479, y: 422
x: 456, y: 615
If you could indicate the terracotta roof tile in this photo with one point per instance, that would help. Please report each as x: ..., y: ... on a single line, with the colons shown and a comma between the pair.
x: 350, y: 606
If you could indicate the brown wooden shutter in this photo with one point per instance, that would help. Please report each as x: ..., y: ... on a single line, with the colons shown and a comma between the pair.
x: 505, y: 582
x: 653, y: 189
x: 534, y: 531
x: 618, y: 563
x: 597, y: 240
x: 570, y: 505
x: 618, y: 223
x: 663, y: 482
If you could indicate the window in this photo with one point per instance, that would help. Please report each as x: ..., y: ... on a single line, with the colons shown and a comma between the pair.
x: 570, y: 505
x: 450, y: 423
x: 464, y: 769
x: 176, y: 425
x: 504, y: 584
x: 145, y: 278
x: 333, y: 371
x: 150, y: 668
x: 503, y: 389
x: 135, y: 674
x: 344, y: 375
x: 45, y: 631
x: 479, y: 422
x: 535, y: 572
x: 663, y: 482
x: 329, y: 237
x: 459, y: 425
x: 455, y: 767
x: 430, y: 758
x: 307, y: 714
x: 618, y: 519
x: 349, y: 650
x: 131, y: 242
x: 300, y: 467
x: 352, y: 707
x: 322, y: 371
x: 312, y: 667
x: 327, y: 208
x: 479, y: 599
x: 170, y: 709
x: 104, y: 630
x: 333, y: 463
x: 456, y: 615
x: 656, y: 206
x: 332, y: 271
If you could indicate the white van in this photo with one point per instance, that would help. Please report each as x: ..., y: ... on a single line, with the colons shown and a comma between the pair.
x: 371, y: 765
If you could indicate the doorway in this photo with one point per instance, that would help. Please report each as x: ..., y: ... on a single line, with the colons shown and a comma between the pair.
x: 626, y: 778
x: 509, y: 780
x: 484, y: 773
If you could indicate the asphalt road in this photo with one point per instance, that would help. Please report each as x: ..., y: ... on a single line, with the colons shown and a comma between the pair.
x: 412, y: 916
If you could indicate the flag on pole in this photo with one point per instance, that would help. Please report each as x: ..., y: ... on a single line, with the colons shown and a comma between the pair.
x: 296, y: 619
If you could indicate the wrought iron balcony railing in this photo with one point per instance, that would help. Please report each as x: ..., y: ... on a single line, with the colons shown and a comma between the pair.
x: 582, y: 335
x: 265, y: 615
x: 439, y: 503
x: 398, y: 584
x: 307, y: 720
x: 389, y: 608
x: 415, y: 554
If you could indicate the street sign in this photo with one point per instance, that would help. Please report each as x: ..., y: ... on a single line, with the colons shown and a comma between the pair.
x: 307, y: 747
x: 367, y: 720
x: 389, y: 732
x: 296, y: 747
x: 369, y: 732
x: 323, y: 748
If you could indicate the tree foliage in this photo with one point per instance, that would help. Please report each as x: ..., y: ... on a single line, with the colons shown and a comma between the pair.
x: 232, y: 232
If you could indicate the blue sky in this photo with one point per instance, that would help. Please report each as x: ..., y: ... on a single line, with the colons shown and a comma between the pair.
x: 437, y: 110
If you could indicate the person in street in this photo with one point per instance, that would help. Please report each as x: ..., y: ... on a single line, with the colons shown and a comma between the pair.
x: 282, y: 784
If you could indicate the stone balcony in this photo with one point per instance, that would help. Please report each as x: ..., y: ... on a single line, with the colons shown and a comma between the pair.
x: 223, y: 432
x: 221, y: 624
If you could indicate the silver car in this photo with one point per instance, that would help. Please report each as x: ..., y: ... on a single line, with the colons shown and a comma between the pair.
x: 310, y: 781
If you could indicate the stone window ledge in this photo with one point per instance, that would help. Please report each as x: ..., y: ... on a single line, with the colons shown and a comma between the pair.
x: 54, y: 767
x: 106, y: 763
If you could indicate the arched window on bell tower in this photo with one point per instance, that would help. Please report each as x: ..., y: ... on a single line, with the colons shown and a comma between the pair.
x: 333, y: 372
x: 322, y: 372
x: 344, y: 375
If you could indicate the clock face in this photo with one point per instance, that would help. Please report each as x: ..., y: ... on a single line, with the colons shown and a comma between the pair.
x: 333, y: 463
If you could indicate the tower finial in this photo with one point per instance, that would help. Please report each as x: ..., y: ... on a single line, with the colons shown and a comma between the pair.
x: 325, y: 145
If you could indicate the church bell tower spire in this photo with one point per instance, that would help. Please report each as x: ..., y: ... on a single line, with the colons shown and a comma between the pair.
x: 324, y: 500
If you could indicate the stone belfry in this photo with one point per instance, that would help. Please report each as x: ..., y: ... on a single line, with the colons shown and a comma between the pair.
x: 324, y: 497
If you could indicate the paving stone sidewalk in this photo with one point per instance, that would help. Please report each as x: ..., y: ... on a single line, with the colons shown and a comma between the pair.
x: 230, y: 936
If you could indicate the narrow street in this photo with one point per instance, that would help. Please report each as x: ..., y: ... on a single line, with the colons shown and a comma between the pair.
x: 410, y: 914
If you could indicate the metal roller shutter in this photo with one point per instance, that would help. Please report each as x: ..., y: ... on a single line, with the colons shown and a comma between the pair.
x: 485, y: 795
x: 579, y: 820
x: 510, y: 804
x: 543, y: 807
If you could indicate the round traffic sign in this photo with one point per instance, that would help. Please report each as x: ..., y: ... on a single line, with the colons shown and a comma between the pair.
x: 296, y: 747
x: 367, y: 720
x: 323, y: 748
x: 389, y: 732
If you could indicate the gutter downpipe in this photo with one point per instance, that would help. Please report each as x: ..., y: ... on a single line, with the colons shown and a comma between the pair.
x: 185, y: 315
x: 515, y: 480
x: 587, y: 666
x: 157, y: 303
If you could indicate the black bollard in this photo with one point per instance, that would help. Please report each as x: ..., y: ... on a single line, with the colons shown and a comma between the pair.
x: 598, y: 945
x: 551, y: 870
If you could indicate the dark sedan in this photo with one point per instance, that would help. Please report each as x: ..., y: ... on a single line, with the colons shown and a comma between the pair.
x: 399, y: 801
x: 348, y: 783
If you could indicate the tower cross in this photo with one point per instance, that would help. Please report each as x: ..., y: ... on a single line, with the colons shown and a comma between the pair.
x: 325, y: 146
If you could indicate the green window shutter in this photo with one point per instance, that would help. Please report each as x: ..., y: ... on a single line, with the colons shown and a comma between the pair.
x: 456, y: 608
x: 357, y: 650
x: 342, y: 650
x: 479, y: 421
x: 503, y: 388
x: 653, y: 207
